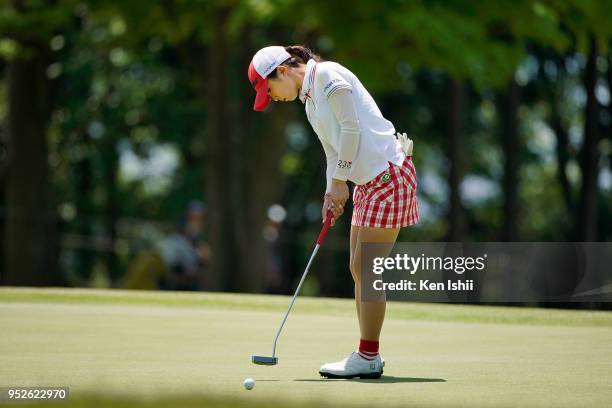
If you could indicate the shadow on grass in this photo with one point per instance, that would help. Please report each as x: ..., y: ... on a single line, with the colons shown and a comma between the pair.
x: 387, y: 379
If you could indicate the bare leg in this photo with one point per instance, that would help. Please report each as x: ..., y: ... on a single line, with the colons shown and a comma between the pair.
x: 372, y: 313
x: 354, y: 234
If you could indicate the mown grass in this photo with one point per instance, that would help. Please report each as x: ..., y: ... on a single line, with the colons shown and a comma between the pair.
x: 166, y: 349
x: 234, y: 301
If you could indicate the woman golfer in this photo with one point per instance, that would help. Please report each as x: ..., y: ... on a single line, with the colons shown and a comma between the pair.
x: 361, y: 147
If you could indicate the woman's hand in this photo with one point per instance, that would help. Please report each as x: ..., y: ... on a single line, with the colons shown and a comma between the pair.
x: 336, y: 199
x: 328, y: 204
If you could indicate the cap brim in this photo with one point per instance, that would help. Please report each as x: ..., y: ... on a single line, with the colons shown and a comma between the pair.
x: 262, y: 99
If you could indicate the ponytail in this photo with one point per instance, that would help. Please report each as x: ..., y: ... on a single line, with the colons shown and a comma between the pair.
x: 302, y: 54
x: 299, y: 55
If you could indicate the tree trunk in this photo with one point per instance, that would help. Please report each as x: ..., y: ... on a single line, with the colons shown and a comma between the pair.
x: 587, y: 219
x: 220, y: 165
x: 263, y: 188
x: 609, y: 127
x: 209, y: 65
x: 83, y: 181
x: 562, y: 157
x: 3, y: 170
x: 111, y: 207
x: 29, y: 252
x: 242, y: 177
x: 261, y: 148
x: 563, y: 151
x: 455, y: 155
x: 511, y: 146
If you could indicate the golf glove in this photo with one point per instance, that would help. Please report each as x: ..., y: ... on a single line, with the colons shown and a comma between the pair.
x: 405, y: 142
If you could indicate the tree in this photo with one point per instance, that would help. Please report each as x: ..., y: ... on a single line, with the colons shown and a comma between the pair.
x: 455, y: 155
x: 3, y: 172
x: 241, y: 175
x: 511, y: 144
x: 30, y: 218
x: 474, y: 45
x: 589, y: 160
x: 587, y: 23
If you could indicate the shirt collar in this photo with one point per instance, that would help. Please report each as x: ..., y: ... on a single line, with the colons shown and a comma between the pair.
x: 308, y: 79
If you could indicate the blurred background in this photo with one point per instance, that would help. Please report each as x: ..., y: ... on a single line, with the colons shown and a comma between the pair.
x: 130, y: 156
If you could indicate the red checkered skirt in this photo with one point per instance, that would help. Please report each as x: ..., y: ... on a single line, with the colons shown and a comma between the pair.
x: 389, y: 200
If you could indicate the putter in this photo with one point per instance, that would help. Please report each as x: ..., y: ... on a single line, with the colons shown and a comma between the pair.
x: 265, y: 360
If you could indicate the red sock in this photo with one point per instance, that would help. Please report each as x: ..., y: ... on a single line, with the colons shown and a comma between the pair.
x: 368, y: 349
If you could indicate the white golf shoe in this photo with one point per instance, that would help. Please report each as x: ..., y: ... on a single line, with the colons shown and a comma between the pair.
x: 353, y: 366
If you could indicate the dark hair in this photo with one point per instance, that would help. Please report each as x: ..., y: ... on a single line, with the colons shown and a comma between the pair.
x: 299, y: 55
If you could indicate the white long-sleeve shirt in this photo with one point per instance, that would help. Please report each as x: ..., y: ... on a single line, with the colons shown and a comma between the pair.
x: 358, y: 141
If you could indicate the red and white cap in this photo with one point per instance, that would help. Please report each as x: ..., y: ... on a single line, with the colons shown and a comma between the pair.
x: 265, y: 61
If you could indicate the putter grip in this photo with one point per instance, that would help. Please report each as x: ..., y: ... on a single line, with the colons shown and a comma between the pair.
x: 326, y: 225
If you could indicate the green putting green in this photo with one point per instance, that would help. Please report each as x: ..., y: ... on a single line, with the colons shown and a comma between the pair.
x: 154, y: 349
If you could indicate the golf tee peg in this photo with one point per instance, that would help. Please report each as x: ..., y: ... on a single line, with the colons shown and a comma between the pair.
x: 328, y: 219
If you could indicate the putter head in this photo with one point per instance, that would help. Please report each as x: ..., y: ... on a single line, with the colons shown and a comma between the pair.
x: 262, y: 360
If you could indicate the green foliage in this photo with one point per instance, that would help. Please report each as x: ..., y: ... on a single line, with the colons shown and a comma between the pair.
x: 25, y: 23
x: 131, y: 77
x: 481, y: 43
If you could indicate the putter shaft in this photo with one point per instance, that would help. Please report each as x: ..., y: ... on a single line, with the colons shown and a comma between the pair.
x: 326, y: 225
x: 314, y: 253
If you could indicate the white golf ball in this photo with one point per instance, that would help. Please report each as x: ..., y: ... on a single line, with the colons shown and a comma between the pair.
x: 249, y: 383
